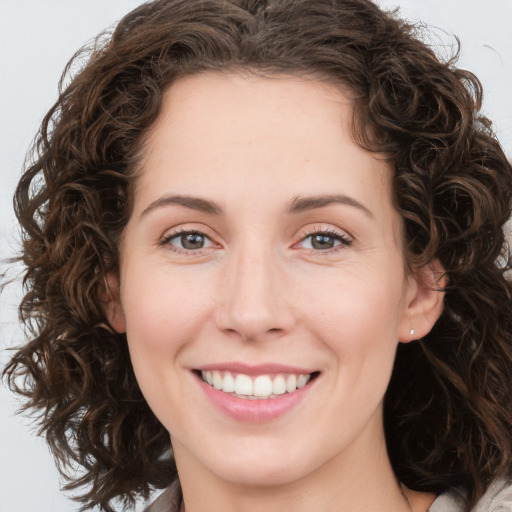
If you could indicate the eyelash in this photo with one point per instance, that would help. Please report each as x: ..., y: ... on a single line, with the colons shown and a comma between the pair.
x: 167, y: 239
x: 344, y: 241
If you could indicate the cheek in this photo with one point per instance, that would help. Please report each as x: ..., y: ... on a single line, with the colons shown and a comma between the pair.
x: 162, y: 313
x: 355, y: 308
x: 161, y: 321
x: 358, y: 322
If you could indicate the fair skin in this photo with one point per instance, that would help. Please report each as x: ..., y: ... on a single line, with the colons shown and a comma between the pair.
x: 263, y: 235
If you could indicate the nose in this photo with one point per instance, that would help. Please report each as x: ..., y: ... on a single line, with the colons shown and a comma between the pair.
x: 255, y: 299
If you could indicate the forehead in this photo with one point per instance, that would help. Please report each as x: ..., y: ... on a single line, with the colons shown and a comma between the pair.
x: 254, y: 107
x: 257, y: 133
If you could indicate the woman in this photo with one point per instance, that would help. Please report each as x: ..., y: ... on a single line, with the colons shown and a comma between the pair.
x: 265, y: 256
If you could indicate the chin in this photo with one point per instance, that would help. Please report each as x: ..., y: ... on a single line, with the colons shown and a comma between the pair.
x: 263, y: 474
x: 264, y: 467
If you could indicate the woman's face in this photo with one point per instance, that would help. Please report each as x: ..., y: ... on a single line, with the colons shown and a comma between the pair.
x: 263, y: 255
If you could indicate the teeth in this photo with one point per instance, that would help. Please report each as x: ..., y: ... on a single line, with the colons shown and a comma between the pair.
x: 279, y: 385
x: 243, y: 385
x: 302, y: 380
x: 291, y: 383
x: 263, y: 386
x: 228, y: 384
x: 217, y: 380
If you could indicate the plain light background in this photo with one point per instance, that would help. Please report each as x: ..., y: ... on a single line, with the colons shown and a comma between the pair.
x: 37, y: 38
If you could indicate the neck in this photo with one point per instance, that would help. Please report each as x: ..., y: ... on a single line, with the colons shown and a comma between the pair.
x: 357, y: 480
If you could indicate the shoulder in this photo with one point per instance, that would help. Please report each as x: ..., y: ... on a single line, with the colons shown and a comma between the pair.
x: 168, y: 501
x: 498, y: 498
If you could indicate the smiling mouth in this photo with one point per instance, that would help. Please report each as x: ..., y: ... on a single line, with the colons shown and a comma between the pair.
x: 258, y: 387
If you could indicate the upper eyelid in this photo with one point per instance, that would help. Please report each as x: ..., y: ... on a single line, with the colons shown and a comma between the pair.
x: 328, y: 231
x: 319, y: 228
x: 187, y: 228
x: 301, y: 235
x: 166, y: 239
x: 176, y: 232
x: 342, y: 239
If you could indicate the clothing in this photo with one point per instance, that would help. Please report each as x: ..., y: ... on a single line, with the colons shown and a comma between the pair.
x: 498, y: 498
x: 168, y: 501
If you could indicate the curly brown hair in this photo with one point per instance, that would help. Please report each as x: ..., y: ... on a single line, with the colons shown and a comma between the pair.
x: 448, y: 410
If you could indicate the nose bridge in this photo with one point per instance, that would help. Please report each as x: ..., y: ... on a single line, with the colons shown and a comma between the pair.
x: 253, y: 303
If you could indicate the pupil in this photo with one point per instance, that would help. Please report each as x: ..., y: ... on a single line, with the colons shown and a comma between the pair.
x: 322, y: 242
x: 192, y: 241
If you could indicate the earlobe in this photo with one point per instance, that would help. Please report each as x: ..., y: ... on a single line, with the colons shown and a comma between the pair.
x: 111, y: 303
x: 425, y: 301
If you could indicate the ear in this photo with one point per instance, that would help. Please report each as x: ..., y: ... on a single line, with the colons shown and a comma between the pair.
x: 424, y: 301
x: 111, y: 302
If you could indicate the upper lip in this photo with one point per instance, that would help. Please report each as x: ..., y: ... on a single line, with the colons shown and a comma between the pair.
x: 254, y: 370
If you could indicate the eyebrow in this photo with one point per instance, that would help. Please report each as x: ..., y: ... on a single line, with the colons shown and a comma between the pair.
x: 300, y: 204
x: 297, y: 205
x: 194, y: 203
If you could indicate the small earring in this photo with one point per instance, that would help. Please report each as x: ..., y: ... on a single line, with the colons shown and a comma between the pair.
x: 412, y: 331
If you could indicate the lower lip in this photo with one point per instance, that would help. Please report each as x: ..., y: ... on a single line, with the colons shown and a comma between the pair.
x: 254, y: 411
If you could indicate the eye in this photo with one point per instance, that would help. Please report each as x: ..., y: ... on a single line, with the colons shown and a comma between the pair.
x: 187, y: 241
x: 324, y: 241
